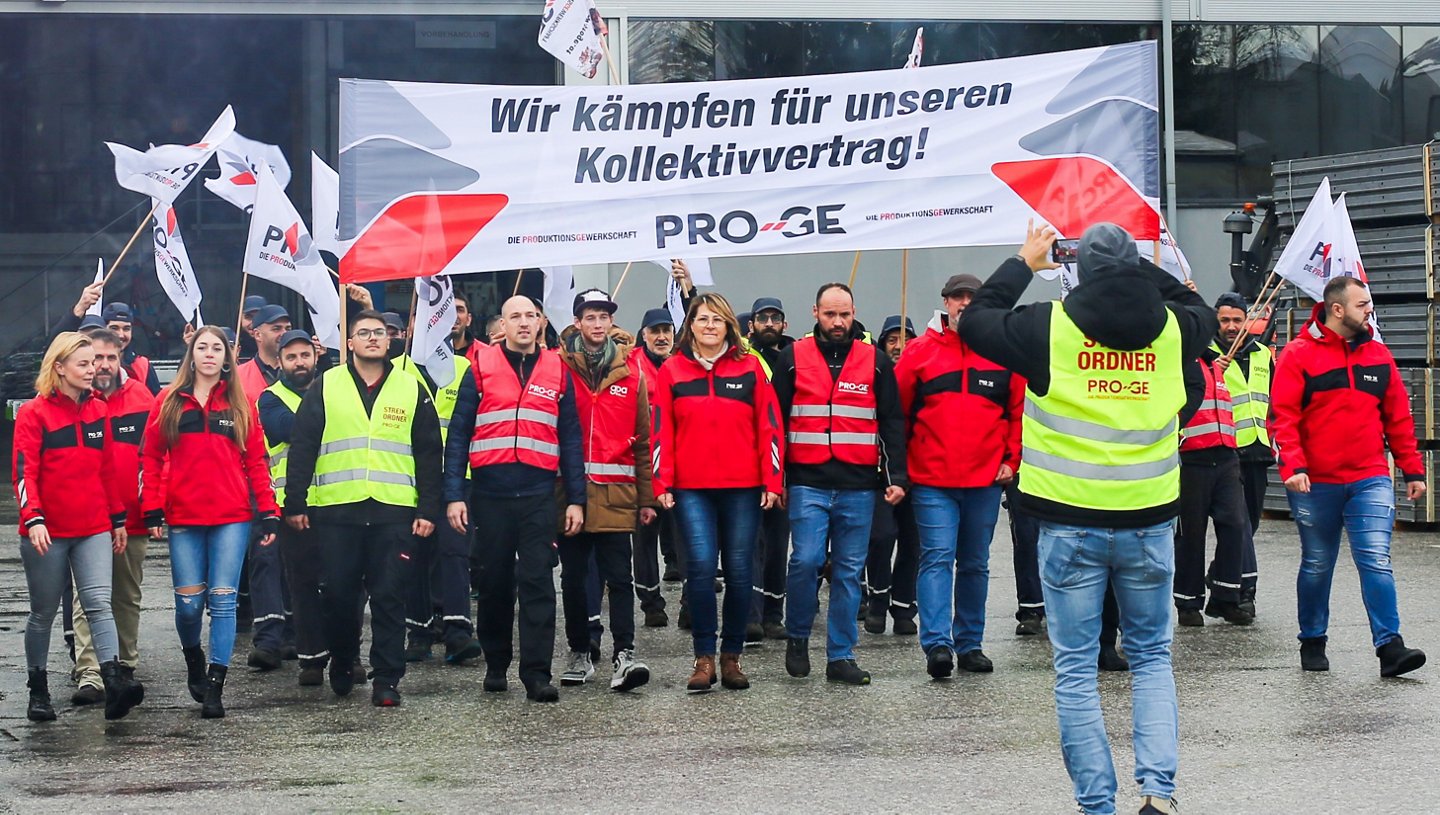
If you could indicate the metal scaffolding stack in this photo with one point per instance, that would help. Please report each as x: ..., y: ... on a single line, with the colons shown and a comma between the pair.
x: 1393, y: 196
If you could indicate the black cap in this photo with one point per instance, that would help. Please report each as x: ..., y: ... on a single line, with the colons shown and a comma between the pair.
x: 116, y: 313
x: 294, y: 335
x: 960, y: 283
x: 892, y: 323
x: 656, y: 316
x: 90, y: 321
x: 229, y: 333
x: 393, y: 320
x: 767, y: 304
x: 1232, y: 300
x: 253, y: 303
x: 593, y: 298
x: 269, y: 314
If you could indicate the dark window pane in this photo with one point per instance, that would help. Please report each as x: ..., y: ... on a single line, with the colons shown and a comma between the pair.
x: 1206, y: 156
x: 1359, y: 100
x: 1277, y: 75
x: 672, y: 51
x: 1420, y: 71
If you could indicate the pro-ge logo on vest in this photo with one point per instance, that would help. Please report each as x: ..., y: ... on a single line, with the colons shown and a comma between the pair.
x: 852, y: 387
x: 544, y: 393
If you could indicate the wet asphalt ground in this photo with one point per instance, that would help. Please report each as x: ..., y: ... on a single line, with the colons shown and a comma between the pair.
x: 1257, y: 734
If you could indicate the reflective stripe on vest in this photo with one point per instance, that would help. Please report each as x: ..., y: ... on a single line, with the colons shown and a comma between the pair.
x: 280, y: 453
x: 833, y: 418
x: 1104, y: 436
x: 1212, y: 425
x: 626, y: 471
x: 515, y: 424
x: 1250, y: 396
x: 362, y: 456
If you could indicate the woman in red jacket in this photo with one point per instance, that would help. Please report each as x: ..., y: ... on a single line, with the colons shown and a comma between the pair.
x: 71, y: 517
x: 207, y: 428
x: 717, y: 463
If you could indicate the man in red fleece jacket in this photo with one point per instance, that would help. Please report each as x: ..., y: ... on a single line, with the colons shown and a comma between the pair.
x: 1336, y: 403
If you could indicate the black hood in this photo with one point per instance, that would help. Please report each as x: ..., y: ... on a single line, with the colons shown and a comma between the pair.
x: 1117, y: 303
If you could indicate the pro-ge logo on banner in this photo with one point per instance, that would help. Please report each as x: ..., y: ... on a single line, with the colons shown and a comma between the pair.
x: 741, y: 226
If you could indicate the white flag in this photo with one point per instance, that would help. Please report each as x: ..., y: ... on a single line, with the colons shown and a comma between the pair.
x: 1306, y: 259
x: 674, y: 302
x: 1345, y: 254
x: 97, y: 306
x: 172, y: 262
x: 571, y: 30
x: 1172, y: 259
x: 239, y: 158
x: 700, y: 273
x: 434, y: 317
x: 166, y: 170
x: 325, y: 207
x: 280, y: 250
x: 559, y: 298
x: 917, y: 49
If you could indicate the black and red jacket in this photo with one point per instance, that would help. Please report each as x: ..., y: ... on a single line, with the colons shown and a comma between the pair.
x: 1336, y: 405
x: 62, y: 467
x: 963, y: 411
x: 716, y: 429
x: 129, y: 410
x: 210, y: 480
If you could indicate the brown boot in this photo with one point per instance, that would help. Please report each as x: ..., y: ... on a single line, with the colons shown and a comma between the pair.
x: 703, y: 678
x: 730, y: 674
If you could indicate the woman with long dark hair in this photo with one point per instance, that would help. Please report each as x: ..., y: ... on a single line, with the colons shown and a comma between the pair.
x: 717, y: 464
x: 207, y: 428
x: 71, y: 517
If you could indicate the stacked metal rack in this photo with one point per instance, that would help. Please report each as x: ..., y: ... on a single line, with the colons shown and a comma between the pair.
x: 1393, y: 196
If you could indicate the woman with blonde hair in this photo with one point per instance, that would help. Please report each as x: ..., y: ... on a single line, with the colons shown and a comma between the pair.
x: 71, y: 517
x: 717, y: 464
x: 209, y: 431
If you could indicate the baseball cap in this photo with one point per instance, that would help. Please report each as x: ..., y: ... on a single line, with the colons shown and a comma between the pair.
x: 90, y: 321
x: 116, y: 313
x: 254, y: 302
x: 229, y: 333
x: 892, y: 323
x: 1232, y: 300
x: 294, y: 335
x: 269, y: 314
x: 960, y: 283
x: 656, y: 316
x: 593, y: 298
x: 393, y: 320
x: 767, y: 304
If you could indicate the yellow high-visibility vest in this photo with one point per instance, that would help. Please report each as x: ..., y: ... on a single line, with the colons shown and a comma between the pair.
x: 366, y: 456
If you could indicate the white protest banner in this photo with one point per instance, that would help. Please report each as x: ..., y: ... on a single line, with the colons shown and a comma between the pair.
x: 325, y: 207
x: 98, y: 306
x: 571, y: 30
x: 172, y: 262
x: 559, y: 294
x: 917, y: 50
x: 948, y: 155
x: 434, y: 317
x: 239, y: 158
x: 1306, y: 258
x: 674, y: 302
x: 279, y: 249
x: 165, y: 171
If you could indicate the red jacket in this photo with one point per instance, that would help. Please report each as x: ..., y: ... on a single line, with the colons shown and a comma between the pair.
x: 210, y: 480
x: 62, y: 467
x: 129, y: 409
x: 1334, y: 406
x: 252, y: 379
x: 640, y: 361
x: 962, y: 410
x: 717, y: 429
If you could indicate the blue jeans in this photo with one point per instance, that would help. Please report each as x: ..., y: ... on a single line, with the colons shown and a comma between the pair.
x: 48, y: 576
x: 1076, y: 563
x: 210, y: 558
x: 718, y: 525
x: 1366, y: 510
x: 840, y: 518
x: 956, y: 525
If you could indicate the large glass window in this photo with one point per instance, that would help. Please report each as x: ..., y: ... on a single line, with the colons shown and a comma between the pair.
x: 1420, y: 77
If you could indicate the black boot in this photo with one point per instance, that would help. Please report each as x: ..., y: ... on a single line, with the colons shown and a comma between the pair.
x: 797, y: 656
x: 195, y: 672
x: 213, y: 707
x: 1396, y: 659
x: 39, y: 709
x: 1312, y: 655
x: 121, y: 692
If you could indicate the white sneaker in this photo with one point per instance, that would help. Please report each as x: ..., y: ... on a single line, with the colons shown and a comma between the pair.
x: 630, y: 673
x: 1155, y: 805
x: 581, y: 669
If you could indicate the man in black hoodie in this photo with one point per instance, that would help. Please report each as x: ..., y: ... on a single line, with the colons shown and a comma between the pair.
x: 1106, y: 397
x: 768, y: 338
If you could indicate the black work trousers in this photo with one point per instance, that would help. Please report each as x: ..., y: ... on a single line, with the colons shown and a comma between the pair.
x: 771, y: 559
x: 516, y: 557
x: 611, y: 552
x: 1211, y: 491
x: 1025, y: 545
x: 651, y: 540
x: 890, y: 586
x: 372, y: 558
x: 300, y: 554
x: 441, y: 570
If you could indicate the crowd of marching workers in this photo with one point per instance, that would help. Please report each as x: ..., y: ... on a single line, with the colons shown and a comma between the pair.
x: 756, y: 468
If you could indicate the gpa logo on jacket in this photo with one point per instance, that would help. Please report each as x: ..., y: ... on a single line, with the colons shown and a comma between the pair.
x: 852, y: 387
x: 543, y: 393
x: 619, y: 390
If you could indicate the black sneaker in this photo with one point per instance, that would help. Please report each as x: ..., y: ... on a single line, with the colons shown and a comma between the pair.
x: 1190, y: 618
x: 420, y: 649
x: 754, y: 634
x: 656, y: 618
x: 875, y: 622
x: 1153, y: 805
x: 1029, y: 624
x: 905, y: 627
x: 1230, y: 612
x: 846, y: 671
x: 361, y: 675
x: 342, y: 679
x: 797, y: 657
x: 672, y: 574
x: 775, y: 630
x: 975, y: 662
x: 264, y: 659
x: 459, y: 650
x: 1312, y: 655
x: 384, y: 694
x: 312, y: 676
x: 87, y: 695
x: 542, y: 693
x: 1111, y: 660
x: 1396, y: 659
x: 940, y: 662
x: 682, y: 620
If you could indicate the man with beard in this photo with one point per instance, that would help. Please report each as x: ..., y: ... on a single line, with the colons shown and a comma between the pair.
x: 269, y: 324
x: 768, y: 339
x: 127, y: 402
x: 460, y: 339
x: 253, y: 304
x: 657, y: 334
x: 891, y: 586
x: 846, y: 441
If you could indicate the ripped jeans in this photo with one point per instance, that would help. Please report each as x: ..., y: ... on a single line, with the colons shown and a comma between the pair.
x: 205, y: 563
x: 1365, y: 509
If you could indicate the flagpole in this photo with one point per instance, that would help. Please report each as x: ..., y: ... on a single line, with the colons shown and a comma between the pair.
x: 621, y: 281
x: 1175, y: 248
x: 240, y: 313
x: 1245, y: 327
x: 904, y: 287
x: 410, y: 331
x: 129, y: 243
x: 519, y: 276
x: 344, y: 301
x: 609, y: 60
x: 854, y: 268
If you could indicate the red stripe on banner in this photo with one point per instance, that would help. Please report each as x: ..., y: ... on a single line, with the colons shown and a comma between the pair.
x: 418, y: 236
x: 1076, y: 192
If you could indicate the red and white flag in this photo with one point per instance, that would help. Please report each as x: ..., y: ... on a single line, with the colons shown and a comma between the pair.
x: 571, y: 30
x: 239, y: 158
x: 164, y: 171
x: 280, y: 250
x: 917, y: 49
x: 1345, y: 254
x: 172, y: 262
x: 434, y: 317
x: 1306, y: 260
